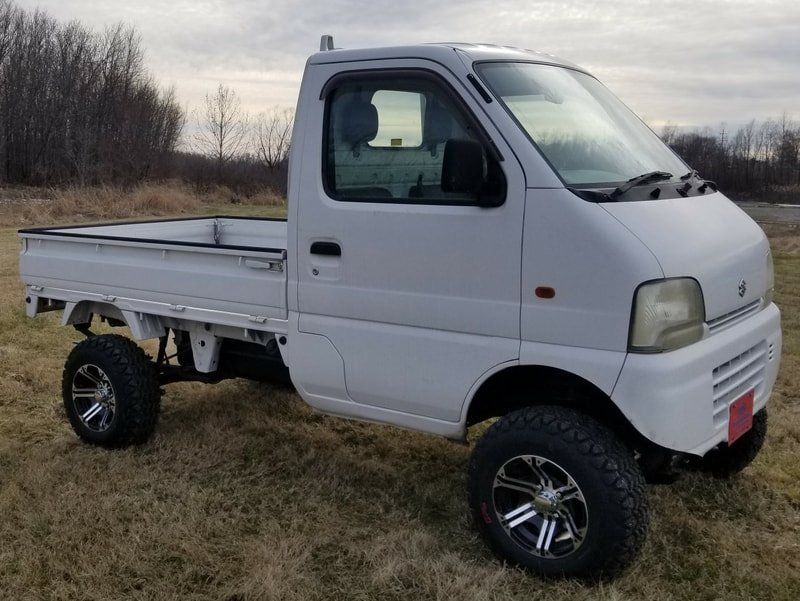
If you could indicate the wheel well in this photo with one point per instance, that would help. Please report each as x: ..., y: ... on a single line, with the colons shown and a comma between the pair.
x: 531, y: 385
x: 85, y: 310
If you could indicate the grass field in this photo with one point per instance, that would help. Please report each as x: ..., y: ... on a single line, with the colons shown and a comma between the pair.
x: 244, y: 493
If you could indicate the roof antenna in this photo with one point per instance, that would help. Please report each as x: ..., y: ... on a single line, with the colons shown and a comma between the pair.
x: 326, y: 43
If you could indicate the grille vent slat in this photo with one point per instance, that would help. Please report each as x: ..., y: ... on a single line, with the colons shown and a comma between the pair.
x: 735, y: 377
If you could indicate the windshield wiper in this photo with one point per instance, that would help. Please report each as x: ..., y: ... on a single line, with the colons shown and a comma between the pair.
x: 645, y: 178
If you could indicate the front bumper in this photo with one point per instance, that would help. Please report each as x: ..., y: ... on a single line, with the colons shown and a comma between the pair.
x: 680, y: 399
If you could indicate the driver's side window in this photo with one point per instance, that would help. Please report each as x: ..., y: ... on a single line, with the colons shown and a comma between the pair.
x: 404, y: 140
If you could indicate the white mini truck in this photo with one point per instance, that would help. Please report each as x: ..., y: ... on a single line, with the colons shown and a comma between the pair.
x: 474, y: 233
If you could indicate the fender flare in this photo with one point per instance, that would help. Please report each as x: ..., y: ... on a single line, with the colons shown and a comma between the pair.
x: 599, y: 368
x: 143, y: 326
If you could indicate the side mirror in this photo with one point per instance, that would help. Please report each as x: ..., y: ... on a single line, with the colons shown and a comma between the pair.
x: 462, y: 166
x: 464, y: 171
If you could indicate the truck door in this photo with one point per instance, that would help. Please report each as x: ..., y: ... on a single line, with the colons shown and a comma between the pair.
x: 409, y: 238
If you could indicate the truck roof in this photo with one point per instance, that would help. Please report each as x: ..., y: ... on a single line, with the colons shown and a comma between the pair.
x: 441, y: 52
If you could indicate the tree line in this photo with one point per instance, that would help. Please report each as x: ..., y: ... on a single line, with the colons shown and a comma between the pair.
x: 759, y: 161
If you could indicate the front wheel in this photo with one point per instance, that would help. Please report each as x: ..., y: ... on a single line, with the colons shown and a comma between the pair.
x: 555, y: 492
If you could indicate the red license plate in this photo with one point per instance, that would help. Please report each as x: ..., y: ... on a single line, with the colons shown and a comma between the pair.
x: 740, y: 416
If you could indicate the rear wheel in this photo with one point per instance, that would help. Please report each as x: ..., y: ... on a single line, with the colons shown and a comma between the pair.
x: 110, y: 391
x: 555, y: 492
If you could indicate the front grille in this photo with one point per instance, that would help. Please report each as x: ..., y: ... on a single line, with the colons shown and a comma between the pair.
x: 734, y: 316
x: 735, y: 377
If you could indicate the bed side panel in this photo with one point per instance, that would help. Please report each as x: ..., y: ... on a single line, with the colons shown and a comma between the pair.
x: 229, y: 280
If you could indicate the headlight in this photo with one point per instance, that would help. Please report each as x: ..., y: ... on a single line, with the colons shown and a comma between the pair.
x: 770, y: 293
x: 667, y: 314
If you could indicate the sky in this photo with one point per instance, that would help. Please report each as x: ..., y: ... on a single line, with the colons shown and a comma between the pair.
x: 693, y: 63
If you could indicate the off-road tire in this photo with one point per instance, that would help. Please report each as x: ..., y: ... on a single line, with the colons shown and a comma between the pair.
x: 604, y: 469
x: 135, y: 383
x: 727, y: 461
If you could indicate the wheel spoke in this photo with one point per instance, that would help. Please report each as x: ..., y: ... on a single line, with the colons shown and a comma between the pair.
x: 83, y: 393
x: 91, y: 412
x: 570, y: 491
x: 522, y: 519
x: 549, y: 531
x: 521, y: 514
x: 548, y: 523
x: 501, y: 480
x: 85, y: 373
x: 104, y: 419
x: 540, y: 474
x: 575, y: 533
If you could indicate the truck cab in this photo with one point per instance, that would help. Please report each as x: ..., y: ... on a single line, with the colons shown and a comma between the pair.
x: 464, y: 203
x: 474, y: 233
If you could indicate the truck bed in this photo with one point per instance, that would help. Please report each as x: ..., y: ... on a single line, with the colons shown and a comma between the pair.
x: 225, y: 270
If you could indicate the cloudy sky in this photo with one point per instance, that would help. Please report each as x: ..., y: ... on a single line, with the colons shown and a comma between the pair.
x: 689, y: 62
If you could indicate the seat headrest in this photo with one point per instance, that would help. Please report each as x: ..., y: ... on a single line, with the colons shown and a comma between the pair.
x: 359, y: 122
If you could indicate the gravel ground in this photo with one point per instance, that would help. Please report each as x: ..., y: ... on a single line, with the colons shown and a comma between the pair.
x: 772, y: 213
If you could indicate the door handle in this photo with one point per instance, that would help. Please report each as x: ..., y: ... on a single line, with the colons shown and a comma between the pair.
x: 330, y: 249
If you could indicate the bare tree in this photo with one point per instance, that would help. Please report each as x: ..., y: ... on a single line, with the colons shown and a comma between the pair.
x: 669, y: 132
x: 222, y: 127
x: 273, y: 134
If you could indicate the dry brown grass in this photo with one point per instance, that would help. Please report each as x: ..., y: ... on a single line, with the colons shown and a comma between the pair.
x: 266, y: 198
x: 244, y: 493
x: 221, y: 195
x: 31, y: 206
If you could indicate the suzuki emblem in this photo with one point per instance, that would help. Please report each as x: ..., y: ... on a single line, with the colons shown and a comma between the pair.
x: 742, y: 287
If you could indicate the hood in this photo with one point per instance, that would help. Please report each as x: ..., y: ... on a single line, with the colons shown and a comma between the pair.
x: 705, y: 237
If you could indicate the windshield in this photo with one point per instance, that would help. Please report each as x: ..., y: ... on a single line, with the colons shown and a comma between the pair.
x: 583, y: 130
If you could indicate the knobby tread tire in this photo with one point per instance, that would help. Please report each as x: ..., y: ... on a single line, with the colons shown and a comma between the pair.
x: 135, y: 382
x: 610, y: 466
